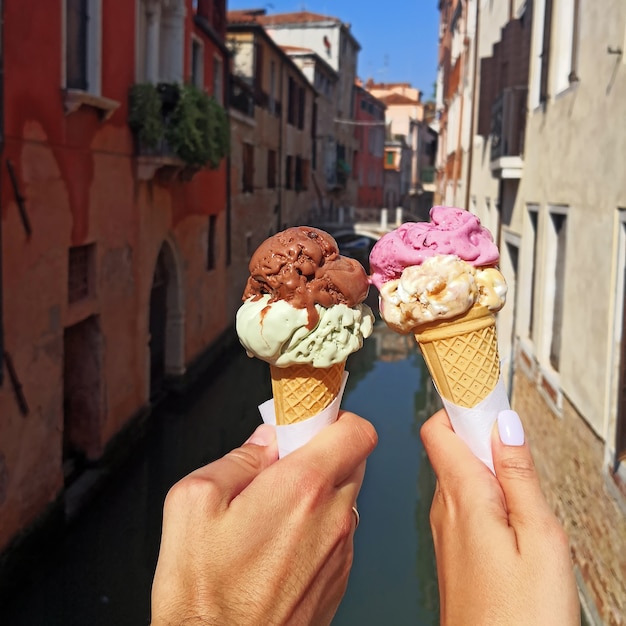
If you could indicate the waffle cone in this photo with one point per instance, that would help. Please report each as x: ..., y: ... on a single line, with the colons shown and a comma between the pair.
x: 302, y: 391
x: 462, y: 356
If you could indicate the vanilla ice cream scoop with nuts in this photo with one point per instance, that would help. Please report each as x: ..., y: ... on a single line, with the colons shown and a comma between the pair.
x: 442, y: 287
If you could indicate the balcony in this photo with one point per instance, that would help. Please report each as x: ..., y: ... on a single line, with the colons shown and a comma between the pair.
x: 508, y: 125
x: 178, y: 129
x: 241, y: 96
x: 427, y: 174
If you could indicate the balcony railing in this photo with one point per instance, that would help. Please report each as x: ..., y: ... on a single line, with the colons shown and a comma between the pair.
x: 241, y: 96
x: 508, y: 123
x: 427, y: 174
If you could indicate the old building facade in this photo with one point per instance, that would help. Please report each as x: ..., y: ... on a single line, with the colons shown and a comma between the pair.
x: 324, y: 80
x: 407, y: 123
x: 113, y: 242
x: 272, y: 128
x: 332, y: 40
x: 547, y: 81
x: 369, y: 170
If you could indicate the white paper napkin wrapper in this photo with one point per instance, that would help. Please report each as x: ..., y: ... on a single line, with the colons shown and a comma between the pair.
x: 293, y: 436
x: 474, y: 425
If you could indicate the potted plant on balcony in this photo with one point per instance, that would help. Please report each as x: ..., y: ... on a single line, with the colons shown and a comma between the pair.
x: 145, y: 117
x: 197, y: 130
x: 178, y: 123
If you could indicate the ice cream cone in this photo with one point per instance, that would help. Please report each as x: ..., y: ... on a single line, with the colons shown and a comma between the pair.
x: 302, y: 391
x: 462, y: 356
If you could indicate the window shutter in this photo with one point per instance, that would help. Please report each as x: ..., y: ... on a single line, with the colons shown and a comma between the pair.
x: 76, y: 45
x: 545, y: 52
x: 487, y: 85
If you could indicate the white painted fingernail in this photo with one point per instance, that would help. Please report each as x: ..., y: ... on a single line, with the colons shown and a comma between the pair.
x: 510, y: 428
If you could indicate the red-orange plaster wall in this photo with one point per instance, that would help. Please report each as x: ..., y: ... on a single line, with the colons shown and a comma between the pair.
x: 77, y: 175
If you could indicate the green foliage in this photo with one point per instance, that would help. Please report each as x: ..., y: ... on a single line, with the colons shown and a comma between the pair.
x: 220, y: 135
x: 198, y: 131
x: 144, y: 117
x: 194, y: 126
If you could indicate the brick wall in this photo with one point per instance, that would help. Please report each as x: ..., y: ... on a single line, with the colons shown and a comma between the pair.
x: 569, y: 458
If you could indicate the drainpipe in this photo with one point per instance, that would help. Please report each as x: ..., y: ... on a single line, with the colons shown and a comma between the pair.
x: 226, y: 78
x: 281, y: 129
x: 1, y: 154
x: 473, y: 115
x: 462, y: 60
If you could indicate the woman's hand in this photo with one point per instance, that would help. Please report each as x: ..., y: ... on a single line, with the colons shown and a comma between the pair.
x: 251, y: 540
x: 502, y: 556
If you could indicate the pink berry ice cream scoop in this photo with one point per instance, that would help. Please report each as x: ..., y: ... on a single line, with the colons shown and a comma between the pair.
x: 439, y: 280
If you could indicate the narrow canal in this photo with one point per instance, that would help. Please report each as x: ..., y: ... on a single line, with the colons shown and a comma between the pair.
x: 99, y: 572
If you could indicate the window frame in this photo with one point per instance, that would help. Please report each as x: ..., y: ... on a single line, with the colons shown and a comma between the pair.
x: 196, y: 72
x: 218, y: 79
x: 247, y: 170
x: 93, y: 47
x: 271, y: 168
x: 75, y: 98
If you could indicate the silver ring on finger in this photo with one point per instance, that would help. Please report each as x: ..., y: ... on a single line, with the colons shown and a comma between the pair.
x: 357, y: 517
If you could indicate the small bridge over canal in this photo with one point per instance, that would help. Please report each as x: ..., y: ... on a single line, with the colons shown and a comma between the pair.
x: 370, y: 223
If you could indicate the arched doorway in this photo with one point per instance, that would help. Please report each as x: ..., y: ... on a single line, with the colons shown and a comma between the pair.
x: 166, y: 321
x: 83, y: 353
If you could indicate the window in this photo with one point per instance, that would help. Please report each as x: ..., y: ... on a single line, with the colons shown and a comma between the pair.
x: 258, y: 67
x: 556, y: 250
x: 306, y: 170
x: 298, y: 176
x: 620, y: 331
x: 218, y: 79
x: 292, y: 102
x: 302, y: 174
x: 248, y: 168
x: 197, y: 62
x: 211, y: 261
x: 272, y: 96
x: 80, y: 273
x: 160, y: 33
x: 289, y: 172
x: 566, y: 43
x: 271, y: 169
x: 545, y: 52
x: 82, y: 45
x: 314, y: 136
x: 296, y: 104
x: 301, y: 107
x: 389, y: 158
x: 533, y: 252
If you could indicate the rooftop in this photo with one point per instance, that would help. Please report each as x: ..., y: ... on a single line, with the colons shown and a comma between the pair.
x: 298, y: 17
x: 289, y: 49
x: 396, y: 98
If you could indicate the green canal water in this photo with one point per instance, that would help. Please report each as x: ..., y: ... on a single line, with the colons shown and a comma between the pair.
x: 98, y: 569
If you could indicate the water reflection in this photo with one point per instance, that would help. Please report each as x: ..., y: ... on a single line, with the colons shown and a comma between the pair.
x: 98, y: 571
x: 394, y: 576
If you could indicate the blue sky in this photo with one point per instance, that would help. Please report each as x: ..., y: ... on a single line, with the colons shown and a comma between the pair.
x: 398, y: 37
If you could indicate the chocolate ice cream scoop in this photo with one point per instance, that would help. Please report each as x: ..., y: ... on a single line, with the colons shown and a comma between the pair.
x: 302, y: 266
